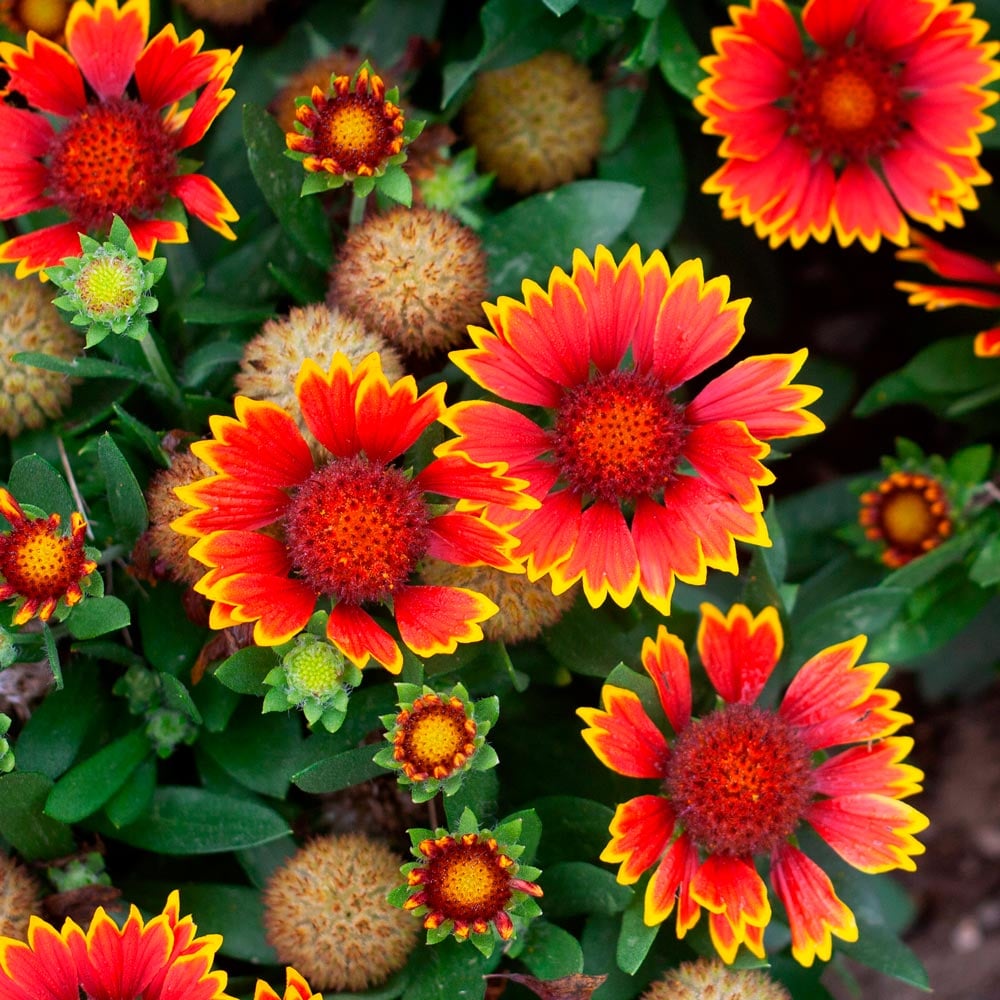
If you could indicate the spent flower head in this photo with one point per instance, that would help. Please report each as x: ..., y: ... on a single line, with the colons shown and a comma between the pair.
x: 314, y: 676
x: 107, y: 288
x: 437, y: 739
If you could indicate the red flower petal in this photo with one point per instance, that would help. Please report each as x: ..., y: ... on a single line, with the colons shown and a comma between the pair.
x: 468, y: 540
x: 22, y: 187
x: 731, y: 888
x: 950, y: 264
x: 666, y: 662
x: 204, y: 200
x: 434, y: 620
x: 655, y: 282
x: 830, y: 21
x: 148, y: 232
x: 739, y: 652
x: 547, y: 535
x: 666, y: 547
x: 230, y: 553
x: 27, y: 136
x: 623, y: 737
x: 42, y: 248
x: 224, y: 503
x: 673, y: 873
x: 611, y: 295
x: 45, y: 75
x: 491, y: 433
x: 280, y: 607
x: 640, y: 832
x: 726, y: 454
x: 872, y: 769
x: 357, y: 635
x: 169, y: 69
x: 106, y: 41
x: 815, y: 912
x: 871, y: 832
x: 326, y: 400
x: 455, y: 476
x: 42, y: 969
x: 987, y: 343
x: 391, y: 418
x: 864, y: 209
x: 192, y: 125
x: 933, y: 297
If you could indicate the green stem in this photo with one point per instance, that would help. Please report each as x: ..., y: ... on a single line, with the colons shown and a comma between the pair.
x: 357, y: 210
x: 159, y: 368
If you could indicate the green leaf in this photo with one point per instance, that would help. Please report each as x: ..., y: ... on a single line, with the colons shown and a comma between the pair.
x: 135, y: 795
x: 477, y: 792
x: 84, y: 789
x: 208, y: 311
x: 185, y: 820
x: 971, y: 465
x: 549, y: 952
x: 538, y: 233
x: 343, y: 771
x: 245, y: 670
x: 128, y: 506
x: 96, y: 616
x: 23, y: 823
x: 177, y: 697
x: 279, y: 180
x: 448, y: 970
x: 170, y: 640
x: 142, y: 435
x: 986, y: 569
x: 679, y: 55
x: 575, y: 887
x: 33, y: 480
x: 636, y: 938
x: 560, y: 7
x: 395, y: 184
x: 575, y: 829
x: 83, y: 367
x: 881, y: 949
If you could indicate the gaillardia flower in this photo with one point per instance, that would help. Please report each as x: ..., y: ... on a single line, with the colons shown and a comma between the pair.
x: 39, y: 566
x: 738, y: 782
x: 157, y: 959
x: 979, y: 285
x: 907, y: 514
x: 113, y: 150
x: 866, y: 115
x: 435, y: 740
x: 280, y: 531
x: 469, y: 883
x: 296, y: 988
x: 636, y: 486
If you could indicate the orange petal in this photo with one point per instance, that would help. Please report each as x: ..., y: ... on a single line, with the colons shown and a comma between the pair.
x: 987, y: 343
x: 456, y: 476
x: 547, y: 536
x: 106, y: 40
x: 169, y: 69
x: 45, y: 959
x: 726, y: 454
x: 640, y: 832
x: 390, y: 418
x: 467, y: 540
x: 666, y: 662
x: 45, y: 75
x: 739, y: 652
x: 41, y: 248
x: 873, y: 769
x: 670, y: 884
x: 434, y: 620
x: 357, y: 635
x: 204, y: 200
x: 623, y: 737
x: 281, y: 607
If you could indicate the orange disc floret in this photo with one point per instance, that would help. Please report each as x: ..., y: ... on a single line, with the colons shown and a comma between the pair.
x: 909, y: 513
x: 433, y: 738
x: 39, y: 565
x: 352, y: 131
x: 45, y: 17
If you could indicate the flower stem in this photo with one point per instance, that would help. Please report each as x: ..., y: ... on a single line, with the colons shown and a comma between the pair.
x: 159, y: 368
x: 357, y: 211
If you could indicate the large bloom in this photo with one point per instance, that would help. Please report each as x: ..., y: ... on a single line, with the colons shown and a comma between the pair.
x: 737, y: 783
x: 157, y: 960
x: 609, y: 448
x: 113, y: 149
x: 280, y: 531
x: 979, y: 285
x: 868, y: 114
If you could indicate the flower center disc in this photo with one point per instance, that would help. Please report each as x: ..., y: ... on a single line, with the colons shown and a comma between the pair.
x: 739, y: 780
x: 468, y: 883
x: 907, y: 519
x: 356, y: 131
x: 618, y: 437
x: 356, y: 530
x: 848, y: 104
x: 38, y: 563
x: 435, y: 738
x: 115, y: 158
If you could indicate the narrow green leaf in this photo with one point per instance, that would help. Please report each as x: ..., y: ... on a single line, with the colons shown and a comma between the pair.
x: 83, y: 367
x: 679, y: 55
x: 635, y: 938
x: 177, y: 697
x: 135, y: 795
x: 865, y: 612
x: 128, y: 506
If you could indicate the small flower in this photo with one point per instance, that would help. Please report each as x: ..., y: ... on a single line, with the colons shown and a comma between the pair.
x: 103, y: 129
x: 907, y: 514
x: 19, y: 893
x: 313, y: 676
x: 106, y: 289
x: 46, y: 17
x: 418, y: 277
x: 39, y: 566
x: 316, y: 73
x: 225, y: 13
x: 468, y: 884
x: 738, y: 783
x: 156, y: 959
x: 638, y: 484
x: 848, y: 118
x: 436, y: 739
x: 353, y: 526
x: 296, y: 988
x: 28, y: 395
x: 979, y: 285
x: 325, y: 913
x: 538, y: 124
x: 710, y: 979
x: 353, y: 133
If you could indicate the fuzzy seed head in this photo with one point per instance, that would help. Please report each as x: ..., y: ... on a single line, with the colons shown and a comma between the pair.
x: 19, y: 892
x: 712, y: 979
x: 168, y: 548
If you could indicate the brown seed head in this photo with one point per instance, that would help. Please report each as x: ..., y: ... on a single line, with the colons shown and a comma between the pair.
x: 712, y: 979
x: 19, y: 892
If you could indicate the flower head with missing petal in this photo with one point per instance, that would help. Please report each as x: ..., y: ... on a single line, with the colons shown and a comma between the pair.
x: 637, y: 485
x: 469, y: 884
x: 849, y: 118
x: 103, y: 129
x: 39, y: 566
x: 280, y: 531
x: 436, y: 739
x: 738, y: 783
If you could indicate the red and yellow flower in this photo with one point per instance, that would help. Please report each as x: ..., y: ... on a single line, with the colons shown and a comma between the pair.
x: 867, y: 114
x: 296, y: 988
x: 907, y: 514
x: 87, y: 146
x: 636, y: 486
x: 38, y: 565
x: 279, y: 531
x: 739, y: 782
x: 979, y: 285
x: 156, y: 960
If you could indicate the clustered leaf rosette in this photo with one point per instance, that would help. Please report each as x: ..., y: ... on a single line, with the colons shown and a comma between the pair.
x: 156, y: 959
x: 741, y: 781
x: 437, y: 739
x: 313, y: 676
x: 355, y: 133
x: 45, y: 571
x: 107, y: 288
x: 97, y: 127
x: 468, y: 884
x: 849, y: 117
x: 978, y: 285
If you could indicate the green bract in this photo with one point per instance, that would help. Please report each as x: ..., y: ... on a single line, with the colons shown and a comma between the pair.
x: 6, y: 754
x: 455, y: 187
